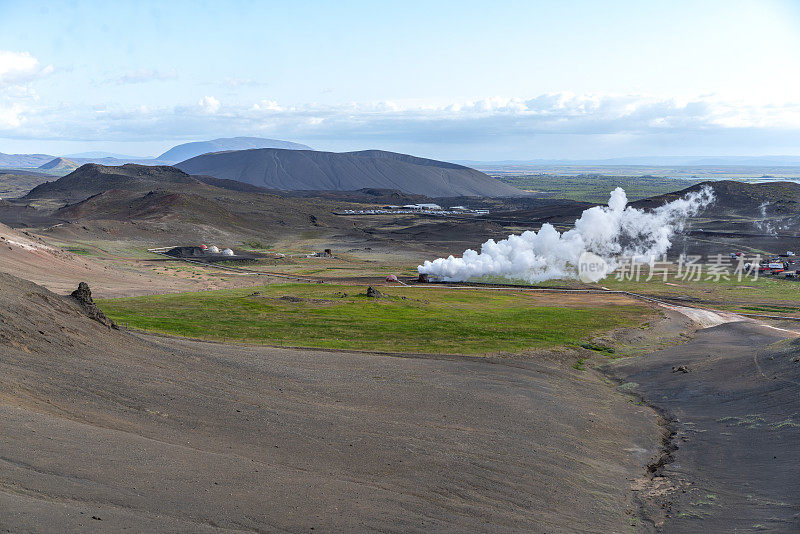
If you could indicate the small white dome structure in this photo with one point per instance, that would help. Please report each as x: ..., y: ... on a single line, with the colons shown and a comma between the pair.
x: 227, y: 252
x: 213, y: 249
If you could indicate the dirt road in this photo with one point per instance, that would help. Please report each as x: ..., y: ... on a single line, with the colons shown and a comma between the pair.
x: 732, y: 464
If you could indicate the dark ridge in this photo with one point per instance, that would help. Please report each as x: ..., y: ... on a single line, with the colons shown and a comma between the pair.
x: 779, y: 198
x: 118, y: 204
x: 92, y: 178
x: 295, y: 170
x: 233, y: 185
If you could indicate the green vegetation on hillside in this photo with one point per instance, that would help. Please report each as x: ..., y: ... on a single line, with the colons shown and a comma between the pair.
x: 407, y: 320
x: 595, y: 187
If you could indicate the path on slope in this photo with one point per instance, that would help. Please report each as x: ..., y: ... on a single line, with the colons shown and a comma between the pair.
x: 733, y: 397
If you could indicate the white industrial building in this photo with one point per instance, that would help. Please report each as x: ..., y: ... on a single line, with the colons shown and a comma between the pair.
x: 421, y: 207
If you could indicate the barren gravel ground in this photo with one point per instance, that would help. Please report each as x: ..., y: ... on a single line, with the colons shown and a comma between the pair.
x: 735, y: 407
x: 32, y: 258
x: 108, y: 431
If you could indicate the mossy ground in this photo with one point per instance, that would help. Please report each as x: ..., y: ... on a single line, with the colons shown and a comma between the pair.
x: 407, y: 320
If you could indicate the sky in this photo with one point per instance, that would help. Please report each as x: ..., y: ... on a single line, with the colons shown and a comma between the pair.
x: 456, y: 80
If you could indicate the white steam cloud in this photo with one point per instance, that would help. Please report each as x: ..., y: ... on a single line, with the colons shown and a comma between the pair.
x: 765, y: 225
x: 612, y: 232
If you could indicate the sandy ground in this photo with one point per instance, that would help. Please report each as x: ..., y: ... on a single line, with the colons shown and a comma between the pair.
x: 731, y: 464
x: 109, y: 431
x: 30, y: 257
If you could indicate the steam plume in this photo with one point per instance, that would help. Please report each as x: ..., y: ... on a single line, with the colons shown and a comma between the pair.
x: 612, y: 232
x: 764, y: 224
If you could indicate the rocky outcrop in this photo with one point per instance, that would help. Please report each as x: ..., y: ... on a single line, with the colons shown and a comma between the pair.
x: 84, y: 297
x: 374, y: 293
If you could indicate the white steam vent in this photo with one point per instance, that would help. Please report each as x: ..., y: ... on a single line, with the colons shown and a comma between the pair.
x: 611, y: 232
x: 213, y: 249
x: 227, y: 252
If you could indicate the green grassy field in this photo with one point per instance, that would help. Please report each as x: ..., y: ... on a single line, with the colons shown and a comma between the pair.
x: 595, y: 187
x: 410, y: 320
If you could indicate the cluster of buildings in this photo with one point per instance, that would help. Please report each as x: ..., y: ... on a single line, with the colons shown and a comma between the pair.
x: 782, y: 265
x: 213, y: 249
x: 204, y: 253
x: 422, y: 209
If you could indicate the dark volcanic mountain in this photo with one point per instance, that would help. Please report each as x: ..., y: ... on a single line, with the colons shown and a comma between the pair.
x: 347, y: 171
x: 91, y: 179
x: 776, y: 198
x: 190, y: 150
x: 122, y: 205
x: 152, y: 200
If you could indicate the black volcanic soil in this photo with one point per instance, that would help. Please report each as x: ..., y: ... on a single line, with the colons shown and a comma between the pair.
x: 108, y: 431
x: 737, y: 425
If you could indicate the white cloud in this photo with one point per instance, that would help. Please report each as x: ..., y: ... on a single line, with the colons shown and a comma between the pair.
x: 545, y: 125
x: 17, y: 70
x: 145, y: 75
x: 20, y: 68
x: 267, y: 105
x: 209, y: 104
x: 11, y: 116
x: 243, y: 82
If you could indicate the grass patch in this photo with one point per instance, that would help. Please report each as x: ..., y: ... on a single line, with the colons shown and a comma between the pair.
x: 598, y: 348
x: 255, y: 245
x: 595, y: 187
x: 580, y: 365
x: 771, y: 309
x: 337, y: 316
x: 80, y: 251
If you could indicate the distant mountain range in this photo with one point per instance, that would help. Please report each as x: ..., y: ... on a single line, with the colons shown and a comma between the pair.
x: 186, y: 151
x: 298, y: 170
x: 190, y: 150
x: 173, y: 155
x: 24, y: 160
x: 274, y: 169
x: 101, y: 155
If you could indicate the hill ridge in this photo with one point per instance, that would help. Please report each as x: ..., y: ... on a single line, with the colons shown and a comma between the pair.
x: 93, y: 178
x: 196, y: 148
x: 58, y: 164
x: 302, y: 170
